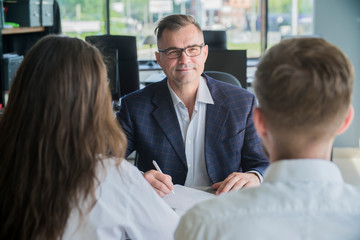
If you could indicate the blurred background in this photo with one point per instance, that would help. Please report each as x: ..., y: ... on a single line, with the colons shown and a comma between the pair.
x: 241, y: 19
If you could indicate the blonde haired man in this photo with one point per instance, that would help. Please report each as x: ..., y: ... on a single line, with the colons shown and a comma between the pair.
x: 304, y: 88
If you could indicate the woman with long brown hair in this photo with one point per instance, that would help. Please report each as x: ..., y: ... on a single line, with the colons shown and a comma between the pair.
x: 57, y: 178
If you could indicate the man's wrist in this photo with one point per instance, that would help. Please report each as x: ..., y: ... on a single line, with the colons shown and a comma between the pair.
x: 261, y: 179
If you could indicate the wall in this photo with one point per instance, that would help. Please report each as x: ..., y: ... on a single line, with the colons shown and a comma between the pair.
x: 338, y: 21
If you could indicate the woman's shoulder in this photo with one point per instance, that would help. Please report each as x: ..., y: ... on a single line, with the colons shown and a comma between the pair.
x: 120, y: 170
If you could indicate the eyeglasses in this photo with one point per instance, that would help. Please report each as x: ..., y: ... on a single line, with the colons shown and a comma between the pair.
x: 192, y: 51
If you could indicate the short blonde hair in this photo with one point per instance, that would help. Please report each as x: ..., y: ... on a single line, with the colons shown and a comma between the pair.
x: 304, y: 84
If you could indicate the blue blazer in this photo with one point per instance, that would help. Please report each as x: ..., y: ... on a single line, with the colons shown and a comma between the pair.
x: 150, y: 123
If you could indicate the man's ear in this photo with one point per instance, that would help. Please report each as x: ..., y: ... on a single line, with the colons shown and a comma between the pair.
x: 157, y: 55
x: 348, y: 120
x: 259, y: 122
x: 206, y: 51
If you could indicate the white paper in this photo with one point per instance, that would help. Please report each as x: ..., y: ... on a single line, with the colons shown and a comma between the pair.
x: 185, y: 198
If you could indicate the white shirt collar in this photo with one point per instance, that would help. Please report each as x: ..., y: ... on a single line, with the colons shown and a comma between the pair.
x: 203, y: 94
x: 302, y: 170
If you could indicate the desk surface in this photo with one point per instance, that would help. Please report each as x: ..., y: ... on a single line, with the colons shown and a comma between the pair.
x: 155, y: 77
x: 158, y: 74
x: 348, y: 160
x: 148, y: 67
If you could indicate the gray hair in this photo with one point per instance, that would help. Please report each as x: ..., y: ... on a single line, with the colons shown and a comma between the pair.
x: 175, y: 22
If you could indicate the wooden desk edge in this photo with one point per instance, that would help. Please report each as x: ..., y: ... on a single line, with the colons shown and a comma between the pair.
x: 19, y: 30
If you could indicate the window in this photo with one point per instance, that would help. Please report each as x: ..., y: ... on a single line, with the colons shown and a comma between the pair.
x: 240, y: 18
x: 80, y: 18
x: 289, y: 18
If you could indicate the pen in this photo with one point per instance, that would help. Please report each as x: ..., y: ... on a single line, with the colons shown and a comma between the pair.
x: 159, y: 170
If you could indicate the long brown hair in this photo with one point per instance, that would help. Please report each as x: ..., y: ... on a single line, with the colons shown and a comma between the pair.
x: 57, y: 127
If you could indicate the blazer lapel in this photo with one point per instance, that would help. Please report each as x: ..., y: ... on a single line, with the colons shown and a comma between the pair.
x: 216, y: 115
x: 166, y: 117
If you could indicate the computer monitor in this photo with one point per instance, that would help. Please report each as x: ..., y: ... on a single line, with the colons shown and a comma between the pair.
x: 215, y: 39
x: 120, y: 55
x: 111, y: 60
x: 229, y: 61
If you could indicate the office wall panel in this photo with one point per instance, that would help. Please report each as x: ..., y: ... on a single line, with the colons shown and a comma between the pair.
x: 338, y: 21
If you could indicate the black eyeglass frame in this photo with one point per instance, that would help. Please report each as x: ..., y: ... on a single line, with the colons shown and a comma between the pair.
x: 182, y: 50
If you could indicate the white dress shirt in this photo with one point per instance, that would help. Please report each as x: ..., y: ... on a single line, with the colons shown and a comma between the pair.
x: 298, y: 199
x: 127, y: 207
x: 193, y: 133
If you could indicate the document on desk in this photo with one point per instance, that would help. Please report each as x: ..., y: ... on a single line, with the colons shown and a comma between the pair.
x: 185, y: 198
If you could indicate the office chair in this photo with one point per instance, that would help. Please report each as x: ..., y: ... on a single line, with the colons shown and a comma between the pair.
x: 224, y: 77
x: 120, y: 56
x: 215, y: 39
x: 233, y: 62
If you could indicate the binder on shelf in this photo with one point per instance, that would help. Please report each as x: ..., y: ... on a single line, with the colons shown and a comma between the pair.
x: 27, y: 13
x: 2, y: 18
x: 47, y: 13
x: 10, y: 64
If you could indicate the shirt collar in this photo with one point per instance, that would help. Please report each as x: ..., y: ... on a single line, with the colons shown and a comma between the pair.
x: 203, y: 93
x: 302, y: 170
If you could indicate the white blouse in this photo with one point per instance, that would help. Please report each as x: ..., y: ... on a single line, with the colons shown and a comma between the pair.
x: 127, y: 207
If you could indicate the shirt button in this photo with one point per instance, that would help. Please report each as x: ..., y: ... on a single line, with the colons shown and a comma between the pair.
x: 189, y: 141
x: 189, y: 165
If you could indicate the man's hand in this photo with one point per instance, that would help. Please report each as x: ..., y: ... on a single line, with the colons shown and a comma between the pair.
x: 236, y: 181
x: 162, y: 183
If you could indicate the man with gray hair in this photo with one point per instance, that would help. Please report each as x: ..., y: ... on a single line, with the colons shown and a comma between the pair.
x: 199, y: 130
x: 304, y: 87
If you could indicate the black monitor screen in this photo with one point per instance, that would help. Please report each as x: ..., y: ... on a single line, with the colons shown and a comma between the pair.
x: 120, y: 55
x: 229, y: 61
x: 111, y: 61
x: 215, y: 39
